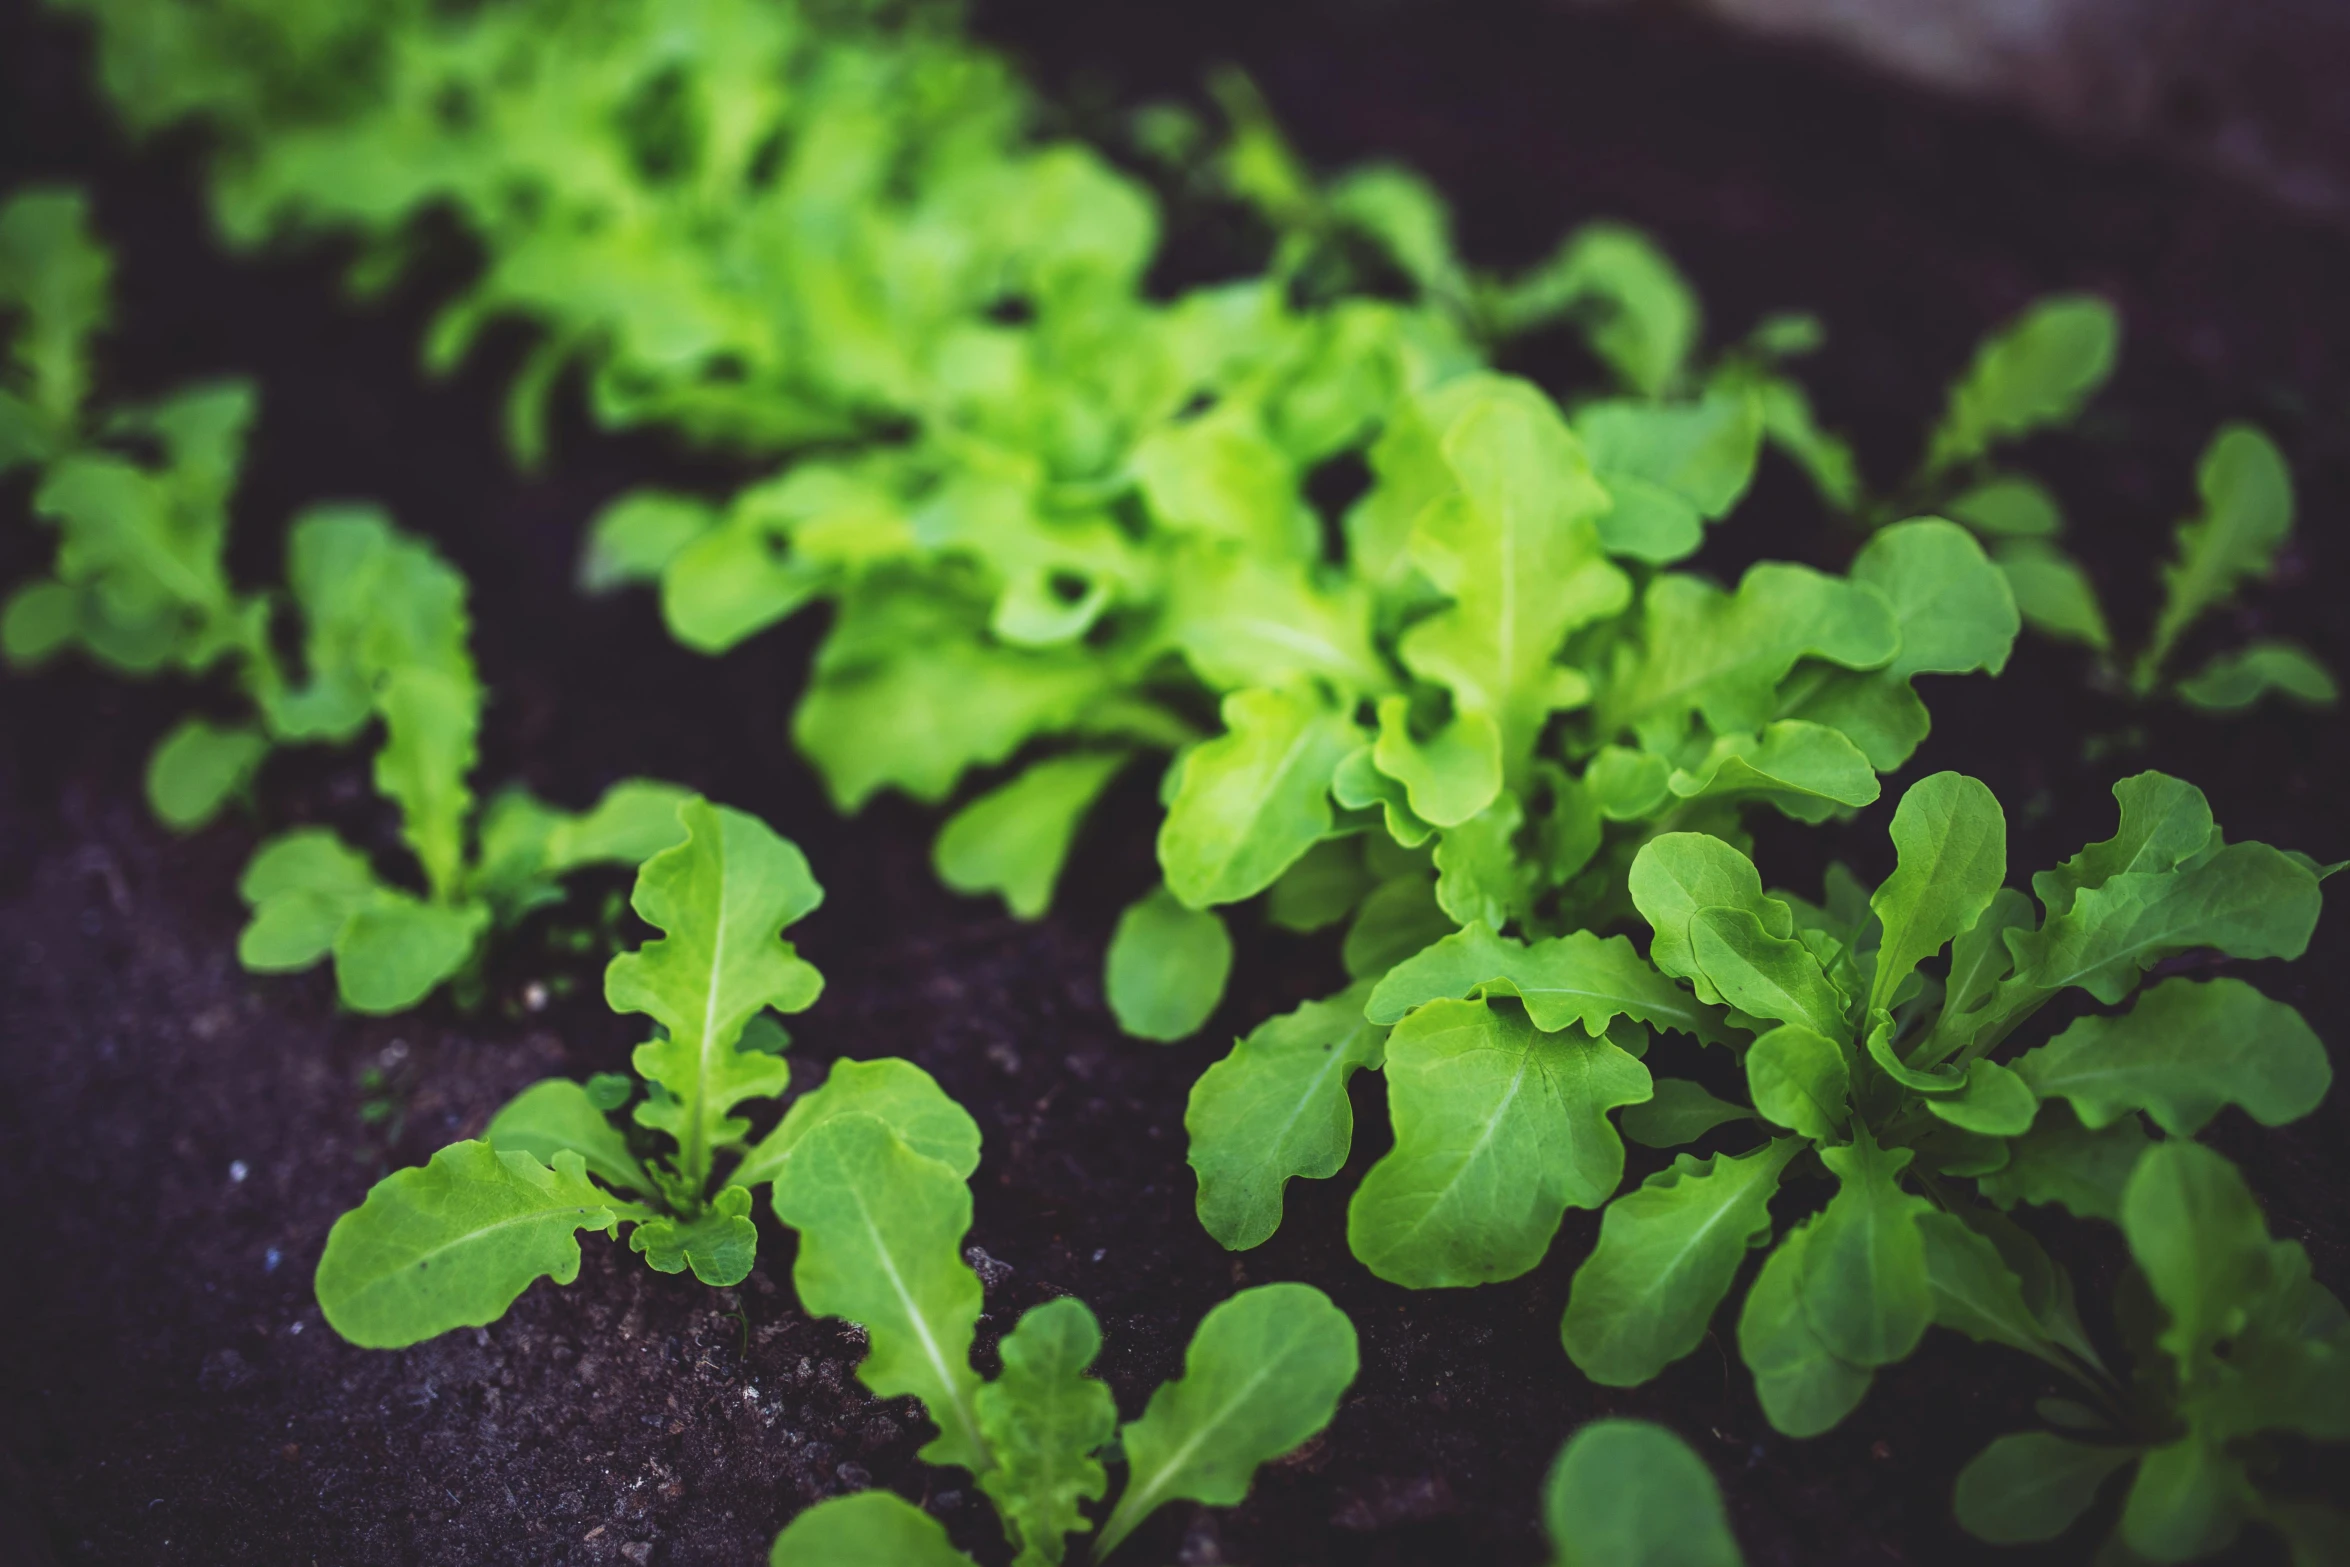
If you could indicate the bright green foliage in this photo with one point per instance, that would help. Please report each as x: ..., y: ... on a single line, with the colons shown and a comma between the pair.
x: 507, y: 1205
x: 1277, y: 1108
x: 1044, y: 1419
x: 1167, y: 966
x: 2235, y: 1346
x: 53, y: 285
x: 867, y: 1529
x: 2247, y: 515
x: 1625, y: 1493
x: 2233, y: 682
x: 1880, y: 1065
x: 2033, y: 373
x: 1263, y: 1374
x: 1013, y: 840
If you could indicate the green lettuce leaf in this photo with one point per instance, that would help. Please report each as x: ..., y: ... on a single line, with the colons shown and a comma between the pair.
x: 1044, y: 1419
x: 1625, y: 1493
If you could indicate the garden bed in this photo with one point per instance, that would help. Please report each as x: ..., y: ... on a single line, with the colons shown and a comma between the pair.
x: 180, y: 1134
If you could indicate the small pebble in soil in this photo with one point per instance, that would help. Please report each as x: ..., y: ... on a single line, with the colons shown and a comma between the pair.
x: 534, y: 996
x: 270, y: 1259
x: 237, y: 1170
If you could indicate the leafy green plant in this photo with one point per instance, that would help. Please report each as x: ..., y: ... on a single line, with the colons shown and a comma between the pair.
x: 2036, y: 373
x: 451, y: 1244
x: 2237, y: 1352
x: 1262, y: 1375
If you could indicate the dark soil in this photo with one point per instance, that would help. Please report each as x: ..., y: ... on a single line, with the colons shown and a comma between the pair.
x: 176, y: 1136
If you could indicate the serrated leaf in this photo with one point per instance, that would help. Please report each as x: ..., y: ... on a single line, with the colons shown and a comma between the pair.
x: 1499, y: 1129
x: 2165, y: 822
x: 1625, y: 1493
x: 2186, y: 1050
x: 881, y: 1233
x: 868, y: 1529
x: 1480, y: 874
x: 1254, y: 799
x: 2035, y: 371
x: 1241, y: 618
x: 1675, y: 875
x: 1263, y: 1374
x: 198, y: 768
x: 2235, y: 682
x: 1950, y: 838
x: 1579, y: 978
x: 1359, y: 785
x: 1681, y: 1112
x: 1667, y: 1254
x: 895, y: 1092
x: 1044, y: 1418
x: 1517, y: 550
x: 2247, y: 515
x: 2060, y: 1161
x: 723, y: 898
x: 1276, y: 1109
x: 1165, y: 968
x: 556, y: 1115
x: 1798, y: 1079
x: 1014, y: 839
x: 57, y: 279
x: 450, y: 1244
x: 2032, y: 1485
x: 1803, y: 1386
x: 1865, y: 1289
x: 432, y: 720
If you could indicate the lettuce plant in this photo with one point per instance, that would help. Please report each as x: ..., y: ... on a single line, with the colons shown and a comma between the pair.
x: 2238, y: 1351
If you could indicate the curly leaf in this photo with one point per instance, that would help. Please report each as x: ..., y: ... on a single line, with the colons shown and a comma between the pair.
x: 719, y: 1243
x: 1670, y: 468
x: 2185, y: 1051
x: 1499, y: 1129
x: 1254, y: 799
x: 1447, y: 778
x: 2247, y: 515
x: 1275, y: 1109
x: 556, y: 1115
x: 2036, y: 371
x: 450, y: 1244
x: 1667, y: 1254
x: 1044, y: 1419
x: 898, y: 1094
x: 1262, y: 1375
x: 1574, y: 979
x: 1808, y: 770
x: 723, y: 896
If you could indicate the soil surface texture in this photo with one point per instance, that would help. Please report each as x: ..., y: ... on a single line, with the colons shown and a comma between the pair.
x: 176, y: 1135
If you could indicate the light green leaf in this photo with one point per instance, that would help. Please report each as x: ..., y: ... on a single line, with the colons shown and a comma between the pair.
x: 1675, y: 875
x: 869, y: 1529
x: 1950, y: 838
x: 1322, y: 888
x: 2032, y: 1485
x: 1798, y: 1078
x: 197, y: 768
x: 40, y: 619
x: 1625, y: 1493
x: 1865, y: 1288
x: 1994, y: 1102
x: 881, y: 1235
x: 55, y: 279
x: 1262, y: 1375
x: 1979, y: 960
x: 1447, y: 778
x: 1221, y: 475
x: 1480, y: 875
x: 1580, y: 978
x: 1044, y: 1418
x: 1626, y: 784
x: 1977, y: 1293
x: 1803, y: 1386
x: 1358, y: 784
x: 2035, y: 371
x: 635, y: 537
x: 450, y: 1244
x: 393, y: 950
x: 1670, y: 468
x: 2234, y: 682
x: 1956, y: 614
x: 1166, y: 967
x: 1499, y: 1129
x: 2187, y: 1049
x: 2187, y: 1501
x: 2011, y: 506
x: 1014, y: 839
x: 1763, y: 975
x: 2247, y: 515
x: 1242, y: 618
x: 2060, y: 1161
x: 1808, y: 770
x: 1640, y: 314
x: 1254, y: 799
x: 1667, y: 1254
x: 302, y: 886
x: 719, y: 1243
x: 2053, y: 593
x: 1517, y: 549
x: 1274, y: 1109
x: 555, y: 1115
x: 432, y: 718
x: 1681, y: 1112
x: 1724, y: 655
x: 2164, y: 823
x: 897, y: 1093
x: 723, y: 897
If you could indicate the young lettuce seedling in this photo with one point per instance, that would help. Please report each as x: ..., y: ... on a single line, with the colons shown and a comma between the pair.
x: 881, y: 1222
x: 1626, y: 1493
x: 452, y: 1244
x: 2237, y: 1350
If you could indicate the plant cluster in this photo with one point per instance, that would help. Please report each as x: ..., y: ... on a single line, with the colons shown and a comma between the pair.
x: 1423, y: 658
